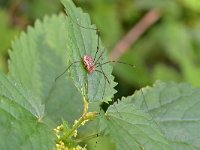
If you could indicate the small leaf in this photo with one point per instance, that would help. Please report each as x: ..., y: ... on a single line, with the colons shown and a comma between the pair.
x: 175, y: 107
x: 131, y: 128
x: 21, y: 126
x: 82, y: 39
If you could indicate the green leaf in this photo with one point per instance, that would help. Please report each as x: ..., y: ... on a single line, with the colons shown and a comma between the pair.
x: 82, y: 39
x: 175, y: 107
x: 38, y: 57
x: 131, y: 128
x: 20, y: 118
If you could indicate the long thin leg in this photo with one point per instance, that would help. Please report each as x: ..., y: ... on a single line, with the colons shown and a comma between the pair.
x: 104, y: 82
x: 115, y: 62
x: 102, y: 72
x: 96, y: 62
x: 66, y: 70
x: 105, y: 77
x: 112, y: 99
x: 75, y: 22
x: 97, y: 32
x: 105, y: 88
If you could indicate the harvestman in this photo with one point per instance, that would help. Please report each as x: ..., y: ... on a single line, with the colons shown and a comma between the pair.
x: 91, y: 64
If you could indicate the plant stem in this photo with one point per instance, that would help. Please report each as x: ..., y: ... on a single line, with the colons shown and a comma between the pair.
x: 86, y: 105
x: 86, y: 116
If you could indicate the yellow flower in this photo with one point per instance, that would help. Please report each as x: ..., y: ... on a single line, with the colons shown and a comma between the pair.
x: 61, y: 146
x: 83, y: 123
x: 75, y: 133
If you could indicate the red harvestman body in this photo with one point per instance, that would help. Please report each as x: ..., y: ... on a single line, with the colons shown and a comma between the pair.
x: 89, y: 63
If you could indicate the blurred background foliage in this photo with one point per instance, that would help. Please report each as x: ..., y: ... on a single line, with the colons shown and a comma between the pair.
x: 168, y: 50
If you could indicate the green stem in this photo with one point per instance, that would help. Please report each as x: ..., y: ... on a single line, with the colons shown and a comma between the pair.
x: 86, y: 105
x: 86, y: 117
x: 86, y: 138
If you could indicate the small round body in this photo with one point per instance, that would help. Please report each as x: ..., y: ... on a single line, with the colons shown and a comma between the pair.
x: 89, y: 63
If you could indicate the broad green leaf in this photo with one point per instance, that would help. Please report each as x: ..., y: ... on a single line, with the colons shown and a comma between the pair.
x: 38, y: 57
x: 131, y: 128
x: 21, y: 123
x: 82, y: 39
x: 175, y: 107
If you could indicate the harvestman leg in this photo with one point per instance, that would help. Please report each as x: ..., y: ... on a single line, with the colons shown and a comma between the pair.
x: 95, y: 63
x: 106, y: 79
x: 104, y: 82
x: 97, y: 32
x: 66, y: 69
x: 87, y: 28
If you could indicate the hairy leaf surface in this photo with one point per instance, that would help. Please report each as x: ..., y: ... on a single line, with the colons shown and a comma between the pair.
x: 20, y: 118
x: 175, y: 107
x: 38, y: 57
x: 131, y: 128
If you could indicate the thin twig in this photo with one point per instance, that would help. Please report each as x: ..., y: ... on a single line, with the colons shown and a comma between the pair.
x: 145, y: 23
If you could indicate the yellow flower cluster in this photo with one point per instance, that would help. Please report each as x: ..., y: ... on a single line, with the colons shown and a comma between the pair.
x: 78, y: 147
x: 58, y: 129
x: 83, y: 123
x: 75, y: 133
x: 61, y: 146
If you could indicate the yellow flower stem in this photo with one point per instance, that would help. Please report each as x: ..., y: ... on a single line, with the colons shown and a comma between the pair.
x: 87, y: 116
x: 86, y: 105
